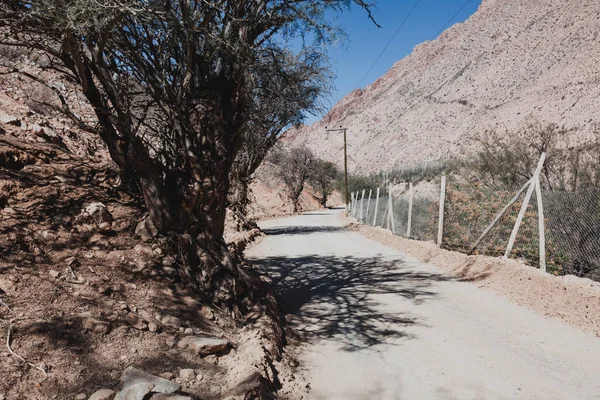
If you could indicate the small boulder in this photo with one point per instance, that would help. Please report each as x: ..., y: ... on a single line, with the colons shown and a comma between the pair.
x: 132, y: 376
x: 81, y: 396
x: 203, y: 345
x: 144, y: 250
x: 152, y: 327
x: 162, y: 396
x: 99, y: 241
x: 136, y: 321
x: 187, y: 374
x: 54, y: 273
x: 167, y: 375
x: 96, y: 212
x: 38, y: 130
x: 103, y: 394
x: 9, y: 119
x: 104, y: 227
x: 168, y: 320
x: 96, y: 326
x: 135, y: 391
x: 146, y: 230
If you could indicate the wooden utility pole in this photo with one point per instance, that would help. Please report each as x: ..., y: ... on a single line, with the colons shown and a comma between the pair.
x: 340, y: 129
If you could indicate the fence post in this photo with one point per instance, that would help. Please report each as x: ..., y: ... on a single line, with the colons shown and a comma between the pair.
x: 362, y: 206
x: 352, y: 204
x: 541, y: 227
x: 368, y: 205
x: 515, y: 231
x: 391, y: 209
x: 410, y: 204
x: 440, y: 235
x: 376, y: 209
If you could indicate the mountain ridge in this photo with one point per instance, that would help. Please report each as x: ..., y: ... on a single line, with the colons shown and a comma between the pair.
x: 509, y: 62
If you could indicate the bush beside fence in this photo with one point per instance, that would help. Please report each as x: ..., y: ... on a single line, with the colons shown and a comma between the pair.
x: 571, y: 223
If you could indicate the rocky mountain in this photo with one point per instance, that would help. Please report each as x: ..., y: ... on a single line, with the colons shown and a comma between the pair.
x: 511, y: 61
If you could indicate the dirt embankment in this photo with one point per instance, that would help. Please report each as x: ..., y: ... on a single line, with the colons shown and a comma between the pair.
x: 269, y: 199
x: 568, y: 298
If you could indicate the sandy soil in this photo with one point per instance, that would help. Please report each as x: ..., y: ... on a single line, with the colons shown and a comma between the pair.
x: 567, y: 298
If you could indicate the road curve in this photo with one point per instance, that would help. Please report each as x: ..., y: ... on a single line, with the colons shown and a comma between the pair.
x: 377, y: 324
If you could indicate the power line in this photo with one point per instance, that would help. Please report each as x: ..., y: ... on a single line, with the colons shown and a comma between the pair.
x: 451, y: 19
x: 388, y: 44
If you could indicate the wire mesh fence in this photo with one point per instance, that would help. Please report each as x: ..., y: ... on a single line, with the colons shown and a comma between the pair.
x: 571, y: 222
x: 573, y: 232
x: 469, y: 209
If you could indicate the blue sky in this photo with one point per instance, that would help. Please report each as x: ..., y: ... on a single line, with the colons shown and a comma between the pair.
x: 353, y: 59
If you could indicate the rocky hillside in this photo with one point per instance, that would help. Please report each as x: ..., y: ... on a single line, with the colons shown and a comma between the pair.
x: 512, y: 60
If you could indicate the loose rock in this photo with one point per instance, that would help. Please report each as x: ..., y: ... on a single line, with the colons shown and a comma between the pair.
x: 132, y: 376
x: 81, y: 396
x: 135, y: 391
x: 162, y: 396
x: 152, y: 327
x: 168, y: 320
x: 144, y: 250
x: 54, y: 273
x: 104, y: 227
x: 136, y: 321
x: 103, y: 394
x: 187, y: 374
x: 96, y: 326
x: 167, y: 375
x: 146, y: 230
x: 203, y: 345
x: 96, y: 212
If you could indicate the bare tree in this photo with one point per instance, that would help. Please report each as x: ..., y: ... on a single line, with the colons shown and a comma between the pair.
x: 289, y: 96
x: 173, y: 85
x: 323, y: 177
x: 294, y: 167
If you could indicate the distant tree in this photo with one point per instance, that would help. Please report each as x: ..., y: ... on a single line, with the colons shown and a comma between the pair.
x: 294, y: 167
x: 173, y: 86
x: 323, y: 176
x: 295, y: 93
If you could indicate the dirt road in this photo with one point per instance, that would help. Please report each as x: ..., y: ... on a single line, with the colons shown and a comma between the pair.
x: 379, y: 325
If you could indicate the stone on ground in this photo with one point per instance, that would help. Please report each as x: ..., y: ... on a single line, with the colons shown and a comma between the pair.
x: 187, y: 374
x: 162, y: 396
x: 203, y: 345
x: 146, y: 230
x: 132, y: 376
x: 168, y: 320
x: 103, y: 394
x: 96, y: 326
x: 136, y: 321
x: 135, y: 391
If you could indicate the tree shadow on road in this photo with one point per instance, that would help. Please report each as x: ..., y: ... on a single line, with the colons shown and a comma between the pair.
x: 301, y: 230
x: 348, y: 299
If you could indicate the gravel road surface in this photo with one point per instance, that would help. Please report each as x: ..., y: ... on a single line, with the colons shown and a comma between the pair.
x: 376, y: 324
